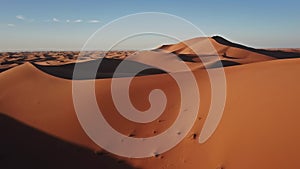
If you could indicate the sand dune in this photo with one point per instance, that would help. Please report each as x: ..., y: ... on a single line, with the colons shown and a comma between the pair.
x: 259, y: 127
x: 224, y: 50
x: 11, y: 59
x: 279, y: 54
x: 214, y: 52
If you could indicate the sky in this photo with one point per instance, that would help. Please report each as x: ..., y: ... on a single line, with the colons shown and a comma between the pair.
x: 68, y: 24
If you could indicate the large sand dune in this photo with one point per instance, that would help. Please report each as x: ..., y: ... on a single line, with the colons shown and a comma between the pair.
x: 259, y: 127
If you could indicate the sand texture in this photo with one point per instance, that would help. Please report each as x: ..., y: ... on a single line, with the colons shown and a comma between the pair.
x: 259, y: 128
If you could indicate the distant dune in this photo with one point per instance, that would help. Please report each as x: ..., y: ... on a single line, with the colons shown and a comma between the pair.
x: 259, y: 127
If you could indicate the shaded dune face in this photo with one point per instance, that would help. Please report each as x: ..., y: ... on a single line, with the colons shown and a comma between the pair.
x: 25, y: 147
x: 279, y: 54
x: 106, y: 68
x: 259, y: 127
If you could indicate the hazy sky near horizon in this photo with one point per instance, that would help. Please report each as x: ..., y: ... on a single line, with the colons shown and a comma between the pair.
x: 66, y: 25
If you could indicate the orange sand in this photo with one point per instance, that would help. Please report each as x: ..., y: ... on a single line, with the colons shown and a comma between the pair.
x: 259, y: 127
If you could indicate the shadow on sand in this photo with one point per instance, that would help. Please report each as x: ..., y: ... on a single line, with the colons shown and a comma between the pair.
x: 23, y: 147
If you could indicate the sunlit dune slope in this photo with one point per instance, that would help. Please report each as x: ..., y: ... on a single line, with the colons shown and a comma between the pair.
x: 258, y: 129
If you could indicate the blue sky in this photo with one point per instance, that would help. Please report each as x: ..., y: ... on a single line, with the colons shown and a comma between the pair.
x: 66, y: 25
